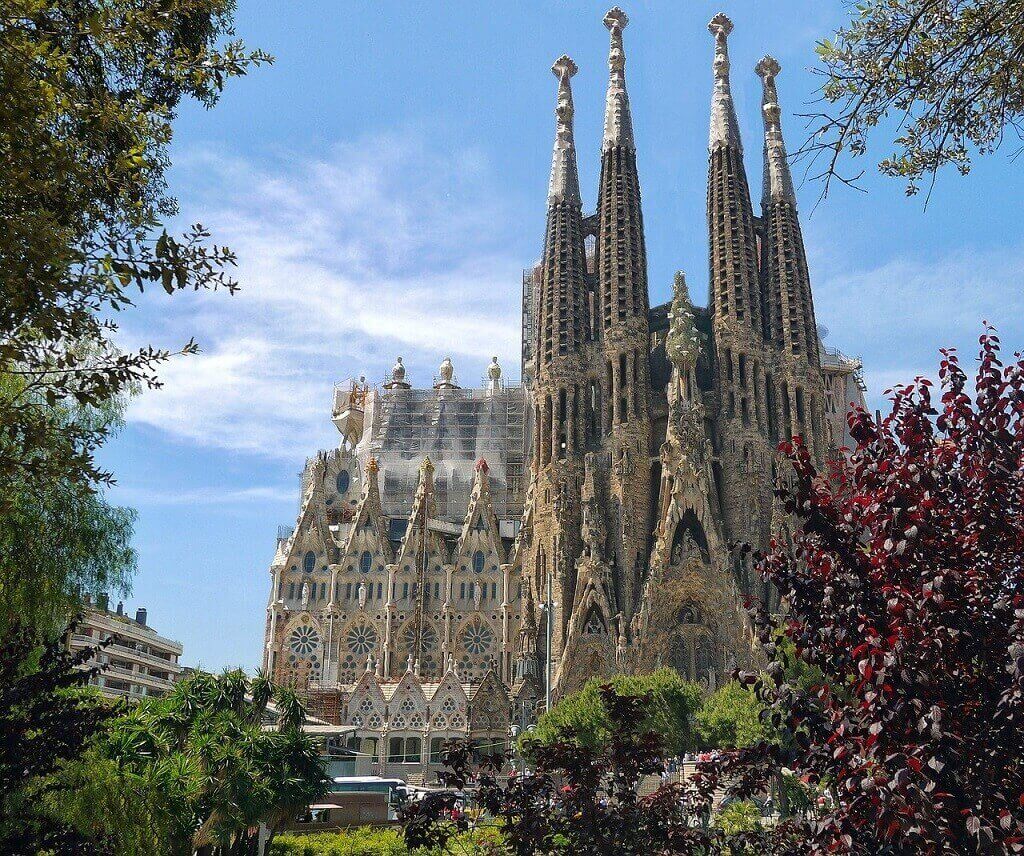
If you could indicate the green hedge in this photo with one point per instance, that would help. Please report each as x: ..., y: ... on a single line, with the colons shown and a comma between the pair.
x: 368, y: 841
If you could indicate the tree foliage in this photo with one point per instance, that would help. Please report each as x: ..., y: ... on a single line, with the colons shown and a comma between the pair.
x: 194, y: 769
x: 45, y: 720
x: 904, y: 588
x: 88, y: 93
x: 74, y: 541
x: 730, y: 718
x: 947, y: 74
x: 579, y: 799
x: 583, y: 716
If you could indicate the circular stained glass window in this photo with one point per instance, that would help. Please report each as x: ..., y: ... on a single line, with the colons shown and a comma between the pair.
x: 304, y: 641
x: 477, y: 638
x: 361, y: 639
x: 428, y: 637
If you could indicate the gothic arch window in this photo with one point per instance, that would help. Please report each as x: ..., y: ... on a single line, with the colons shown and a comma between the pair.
x: 689, y: 614
x: 365, y: 562
x: 478, y: 561
x: 595, y: 625
x: 689, y: 540
x: 309, y: 562
x: 343, y: 481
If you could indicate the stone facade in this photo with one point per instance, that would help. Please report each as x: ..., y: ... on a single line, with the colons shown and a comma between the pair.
x: 525, y: 537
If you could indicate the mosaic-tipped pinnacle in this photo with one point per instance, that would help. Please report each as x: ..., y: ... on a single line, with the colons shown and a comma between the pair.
x: 564, y: 67
x: 768, y: 67
x: 615, y: 17
x: 721, y: 24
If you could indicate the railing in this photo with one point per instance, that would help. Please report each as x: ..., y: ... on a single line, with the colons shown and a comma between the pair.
x: 149, y: 659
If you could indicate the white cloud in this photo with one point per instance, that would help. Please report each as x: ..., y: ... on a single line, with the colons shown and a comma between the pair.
x: 139, y: 496
x: 383, y: 248
x: 898, y: 314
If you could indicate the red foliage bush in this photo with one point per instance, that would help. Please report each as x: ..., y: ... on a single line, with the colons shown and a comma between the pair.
x: 904, y: 586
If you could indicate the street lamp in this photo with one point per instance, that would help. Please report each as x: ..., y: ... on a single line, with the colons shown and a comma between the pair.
x: 513, y: 733
x: 548, y: 610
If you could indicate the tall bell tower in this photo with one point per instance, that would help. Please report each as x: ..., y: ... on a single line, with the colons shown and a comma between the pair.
x: 623, y: 315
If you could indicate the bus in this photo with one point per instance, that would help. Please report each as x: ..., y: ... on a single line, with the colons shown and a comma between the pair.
x: 393, y: 791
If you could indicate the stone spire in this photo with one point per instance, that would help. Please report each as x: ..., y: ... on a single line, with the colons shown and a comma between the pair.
x: 624, y: 302
x: 735, y: 290
x: 787, y: 279
x: 565, y: 182
x: 725, y: 129
x: 618, y: 123
x: 562, y: 318
x: 778, y: 181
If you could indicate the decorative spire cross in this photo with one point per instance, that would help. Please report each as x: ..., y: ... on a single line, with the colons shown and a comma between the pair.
x: 565, y: 183
x: 618, y: 123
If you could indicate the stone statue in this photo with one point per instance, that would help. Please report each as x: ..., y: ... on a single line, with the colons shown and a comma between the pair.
x: 305, y: 596
x: 447, y: 370
x: 361, y: 594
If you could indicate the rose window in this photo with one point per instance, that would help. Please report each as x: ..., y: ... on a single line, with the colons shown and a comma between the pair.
x: 477, y: 638
x: 304, y: 641
x: 428, y: 637
x: 361, y: 639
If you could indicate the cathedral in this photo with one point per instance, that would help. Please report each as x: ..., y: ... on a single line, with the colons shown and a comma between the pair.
x: 469, y: 553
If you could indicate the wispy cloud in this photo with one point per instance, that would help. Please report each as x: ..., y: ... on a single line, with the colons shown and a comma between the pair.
x: 898, y: 314
x: 140, y: 496
x: 383, y: 248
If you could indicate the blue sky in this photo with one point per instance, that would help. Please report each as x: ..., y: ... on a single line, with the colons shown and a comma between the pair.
x: 384, y: 184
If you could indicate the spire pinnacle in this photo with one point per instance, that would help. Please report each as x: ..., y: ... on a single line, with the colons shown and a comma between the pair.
x: 565, y: 183
x: 724, y: 126
x: 618, y: 123
x: 778, y: 181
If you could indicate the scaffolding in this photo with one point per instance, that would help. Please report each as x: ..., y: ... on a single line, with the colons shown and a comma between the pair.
x: 455, y: 427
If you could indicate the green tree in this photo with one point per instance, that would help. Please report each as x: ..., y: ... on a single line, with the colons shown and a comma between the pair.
x: 74, y: 541
x: 944, y: 77
x: 45, y: 720
x: 730, y: 718
x: 583, y: 718
x: 89, y: 90
x: 195, y: 769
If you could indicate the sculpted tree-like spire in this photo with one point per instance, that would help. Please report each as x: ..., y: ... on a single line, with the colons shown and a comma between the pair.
x: 618, y: 123
x: 683, y: 341
x: 565, y: 183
